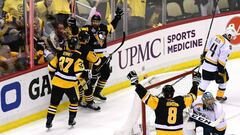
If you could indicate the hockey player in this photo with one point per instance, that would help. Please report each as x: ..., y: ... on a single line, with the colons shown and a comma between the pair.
x: 90, y: 59
x: 168, y: 109
x: 207, y: 107
x: 98, y: 33
x: 214, y: 61
x: 67, y: 70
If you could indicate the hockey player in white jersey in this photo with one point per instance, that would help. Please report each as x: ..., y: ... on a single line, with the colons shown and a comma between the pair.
x: 213, y: 61
x: 207, y: 107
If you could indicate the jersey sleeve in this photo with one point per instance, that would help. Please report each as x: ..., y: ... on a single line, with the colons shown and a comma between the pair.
x: 78, y: 68
x: 146, y: 97
x: 52, y: 66
x: 189, y: 99
x: 223, y: 57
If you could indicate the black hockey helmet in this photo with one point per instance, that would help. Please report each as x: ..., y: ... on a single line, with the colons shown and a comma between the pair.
x: 83, y: 37
x: 96, y: 17
x: 168, y: 91
x: 72, y: 43
x: 96, y: 20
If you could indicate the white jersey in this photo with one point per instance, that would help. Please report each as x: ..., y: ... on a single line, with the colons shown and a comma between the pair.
x: 197, y: 106
x: 218, y: 50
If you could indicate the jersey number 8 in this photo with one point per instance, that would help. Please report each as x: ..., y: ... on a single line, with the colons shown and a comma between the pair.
x: 172, y: 115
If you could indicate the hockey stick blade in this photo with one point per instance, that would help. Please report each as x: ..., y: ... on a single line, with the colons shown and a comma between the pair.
x: 201, y: 119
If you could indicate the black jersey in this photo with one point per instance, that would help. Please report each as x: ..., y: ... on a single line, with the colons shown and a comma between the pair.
x: 168, y: 112
x: 68, y: 66
x: 98, y: 37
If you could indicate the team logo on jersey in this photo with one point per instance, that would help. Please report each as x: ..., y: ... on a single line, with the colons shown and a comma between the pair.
x: 236, y: 23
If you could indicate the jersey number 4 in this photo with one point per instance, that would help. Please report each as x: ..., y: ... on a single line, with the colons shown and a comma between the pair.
x: 172, y: 115
x: 213, y: 49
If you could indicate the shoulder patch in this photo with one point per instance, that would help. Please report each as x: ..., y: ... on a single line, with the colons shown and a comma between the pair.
x: 221, y: 38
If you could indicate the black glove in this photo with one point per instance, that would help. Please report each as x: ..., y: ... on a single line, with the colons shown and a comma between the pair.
x: 132, y: 76
x: 87, y: 74
x: 72, y: 21
x: 104, y: 60
x: 196, y: 78
x: 119, y: 12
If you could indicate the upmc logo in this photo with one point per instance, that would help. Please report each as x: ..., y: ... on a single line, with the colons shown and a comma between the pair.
x: 10, y: 96
x: 236, y: 23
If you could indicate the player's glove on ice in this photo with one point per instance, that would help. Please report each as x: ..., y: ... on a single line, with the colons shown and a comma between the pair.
x: 132, y: 76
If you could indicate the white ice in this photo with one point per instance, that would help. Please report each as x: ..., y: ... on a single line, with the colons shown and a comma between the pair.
x: 115, y: 111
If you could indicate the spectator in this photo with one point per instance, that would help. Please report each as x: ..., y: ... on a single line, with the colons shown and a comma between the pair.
x: 3, y: 68
x: 207, y: 7
x: 234, y: 5
x: 15, y: 7
x: 43, y: 9
x: 61, y: 10
x: 58, y: 37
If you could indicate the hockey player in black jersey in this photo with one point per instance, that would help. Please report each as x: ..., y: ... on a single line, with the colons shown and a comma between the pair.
x: 98, y: 40
x: 67, y: 70
x: 168, y: 109
x: 90, y: 59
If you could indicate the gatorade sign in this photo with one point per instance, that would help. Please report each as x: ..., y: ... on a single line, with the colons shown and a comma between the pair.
x: 236, y: 22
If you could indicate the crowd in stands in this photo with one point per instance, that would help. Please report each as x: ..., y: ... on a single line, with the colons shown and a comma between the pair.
x: 51, y: 23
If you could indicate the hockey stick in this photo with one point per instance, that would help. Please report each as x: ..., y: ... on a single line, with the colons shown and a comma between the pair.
x: 110, y: 55
x: 184, y: 76
x: 123, y: 40
x: 204, y: 120
x: 210, y: 27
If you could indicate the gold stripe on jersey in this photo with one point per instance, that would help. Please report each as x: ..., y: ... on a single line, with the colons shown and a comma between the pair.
x: 100, y: 55
x: 188, y: 99
x: 92, y: 57
x: 152, y: 102
x: 84, y: 28
x: 221, y: 62
x: 59, y: 82
x: 200, y: 92
x: 54, y: 62
x: 221, y: 129
x: 221, y: 38
x: 211, y: 61
x: 163, y: 132
x: 54, y: 107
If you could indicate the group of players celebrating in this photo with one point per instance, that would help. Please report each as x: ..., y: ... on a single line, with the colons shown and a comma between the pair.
x: 82, y: 69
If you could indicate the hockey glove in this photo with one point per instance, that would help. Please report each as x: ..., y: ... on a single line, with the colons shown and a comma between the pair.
x: 87, y: 74
x: 119, y: 12
x: 104, y: 61
x: 132, y: 76
x: 196, y: 78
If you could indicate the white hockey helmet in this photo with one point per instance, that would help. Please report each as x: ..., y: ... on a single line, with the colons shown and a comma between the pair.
x: 230, y: 30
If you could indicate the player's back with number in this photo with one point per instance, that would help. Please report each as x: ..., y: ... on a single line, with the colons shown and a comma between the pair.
x: 170, y: 111
x: 217, y: 51
x: 67, y: 65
